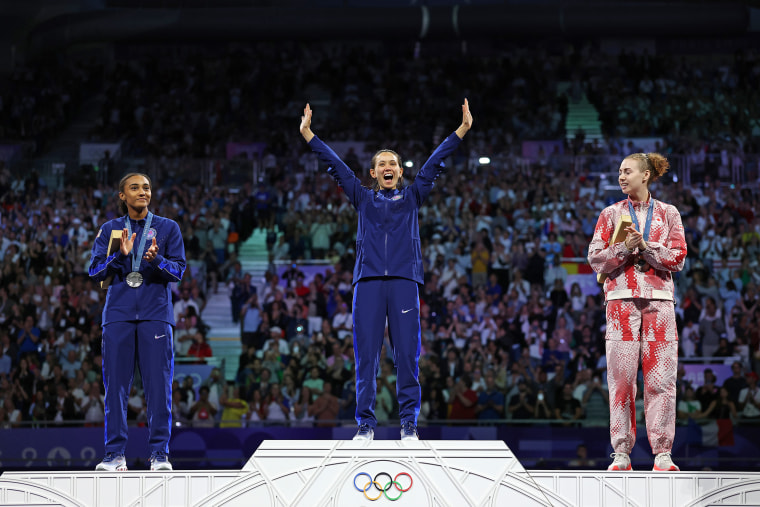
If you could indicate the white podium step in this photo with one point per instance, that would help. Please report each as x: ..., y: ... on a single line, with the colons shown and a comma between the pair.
x: 336, y: 473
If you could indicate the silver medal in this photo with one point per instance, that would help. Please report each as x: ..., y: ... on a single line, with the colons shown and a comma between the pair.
x: 134, y: 279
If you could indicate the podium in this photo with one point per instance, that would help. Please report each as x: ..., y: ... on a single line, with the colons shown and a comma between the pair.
x: 332, y: 473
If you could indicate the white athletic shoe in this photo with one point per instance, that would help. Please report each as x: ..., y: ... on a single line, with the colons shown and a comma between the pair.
x: 664, y: 463
x: 409, y: 431
x: 112, y: 462
x: 365, y: 432
x: 620, y: 461
x: 160, y: 461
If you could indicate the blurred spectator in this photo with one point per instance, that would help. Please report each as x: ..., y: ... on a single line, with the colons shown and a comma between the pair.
x: 281, y: 250
x: 5, y: 359
x: 234, y: 408
x: 178, y: 409
x: 581, y: 459
x: 28, y: 339
x: 689, y: 407
x: 522, y: 404
x: 93, y: 407
x: 70, y: 364
x: 463, y: 400
x: 275, y: 342
x: 301, y: 414
x: 315, y: 383
x: 325, y: 407
x: 242, y: 290
x: 255, y: 409
x: 136, y: 410
x: 347, y: 402
x: 711, y: 327
x: 596, y: 402
x: 200, y: 347
x: 722, y: 407
x: 275, y: 408
x: 708, y: 391
x: 186, y: 300
x: 202, y: 412
x: 342, y: 322
x: 490, y: 400
x: 749, y: 398
x: 186, y: 331
x: 216, y: 385
x: 250, y: 318
x: 736, y: 382
x: 568, y: 407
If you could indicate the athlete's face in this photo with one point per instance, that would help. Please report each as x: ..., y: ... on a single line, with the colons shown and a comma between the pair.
x: 387, y: 170
x: 136, y: 193
x: 632, y: 179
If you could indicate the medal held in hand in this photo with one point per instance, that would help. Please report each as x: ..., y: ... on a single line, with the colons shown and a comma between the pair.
x: 135, y: 278
x: 641, y: 265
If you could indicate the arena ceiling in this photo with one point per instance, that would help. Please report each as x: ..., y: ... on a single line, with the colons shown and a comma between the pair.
x: 49, y: 25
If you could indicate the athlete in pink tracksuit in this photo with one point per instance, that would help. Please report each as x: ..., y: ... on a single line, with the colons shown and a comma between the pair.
x: 640, y: 305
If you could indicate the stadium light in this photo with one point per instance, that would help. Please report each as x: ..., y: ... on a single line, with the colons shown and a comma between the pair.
x: 484, y: 161
x: 409, y: 164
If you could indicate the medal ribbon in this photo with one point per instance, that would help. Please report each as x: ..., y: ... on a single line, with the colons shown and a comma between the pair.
x: 635, y: 219
x: 137, y: 254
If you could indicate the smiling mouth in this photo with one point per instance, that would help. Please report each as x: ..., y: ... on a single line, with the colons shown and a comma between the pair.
x: 388, y: 177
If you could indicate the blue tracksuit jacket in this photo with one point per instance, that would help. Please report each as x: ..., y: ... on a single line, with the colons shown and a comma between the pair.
x: 388, y: 233
x: 152, y: 300
x: 387, y: 275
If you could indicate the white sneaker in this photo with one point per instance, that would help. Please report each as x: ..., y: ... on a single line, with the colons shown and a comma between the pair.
x: 365, y: 433
x: 620, y: 461
x: 113, y: 462
x: 409, y: 431
x: 160, y: 461
x: 664, y: 463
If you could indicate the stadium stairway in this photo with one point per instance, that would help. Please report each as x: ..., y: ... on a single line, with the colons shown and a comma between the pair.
x: 224, y: 334
x: 581, y: 115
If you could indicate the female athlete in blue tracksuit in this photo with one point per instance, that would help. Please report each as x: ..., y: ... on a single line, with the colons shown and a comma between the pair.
x: 137, y: 318
x: 388, y: 270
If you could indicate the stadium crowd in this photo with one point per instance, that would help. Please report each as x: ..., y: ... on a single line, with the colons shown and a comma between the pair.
x: 503, y: 336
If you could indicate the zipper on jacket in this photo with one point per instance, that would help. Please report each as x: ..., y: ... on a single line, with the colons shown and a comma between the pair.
x: 385, y: 246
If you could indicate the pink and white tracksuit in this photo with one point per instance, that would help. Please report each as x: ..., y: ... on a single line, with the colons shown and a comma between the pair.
x: 641, y: 321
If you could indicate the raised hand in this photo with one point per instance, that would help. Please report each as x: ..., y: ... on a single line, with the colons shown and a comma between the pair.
x: 127, y: 242
x: 466, y: 115
x: 152, y: 251
x: 466, y: 120
x: 305, y: 128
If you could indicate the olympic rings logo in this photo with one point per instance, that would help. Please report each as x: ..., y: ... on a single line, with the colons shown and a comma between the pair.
x: 383, y: 490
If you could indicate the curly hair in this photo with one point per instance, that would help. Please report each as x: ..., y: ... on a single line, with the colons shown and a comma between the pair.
x: 657, y: 164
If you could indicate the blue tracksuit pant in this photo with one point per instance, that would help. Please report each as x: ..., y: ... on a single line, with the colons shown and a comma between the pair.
x: 397, y: 300
x: 150, y: 341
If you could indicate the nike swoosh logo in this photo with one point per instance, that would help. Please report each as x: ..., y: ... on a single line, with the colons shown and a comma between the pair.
x: 157, y: 337
x: 407, y: 311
